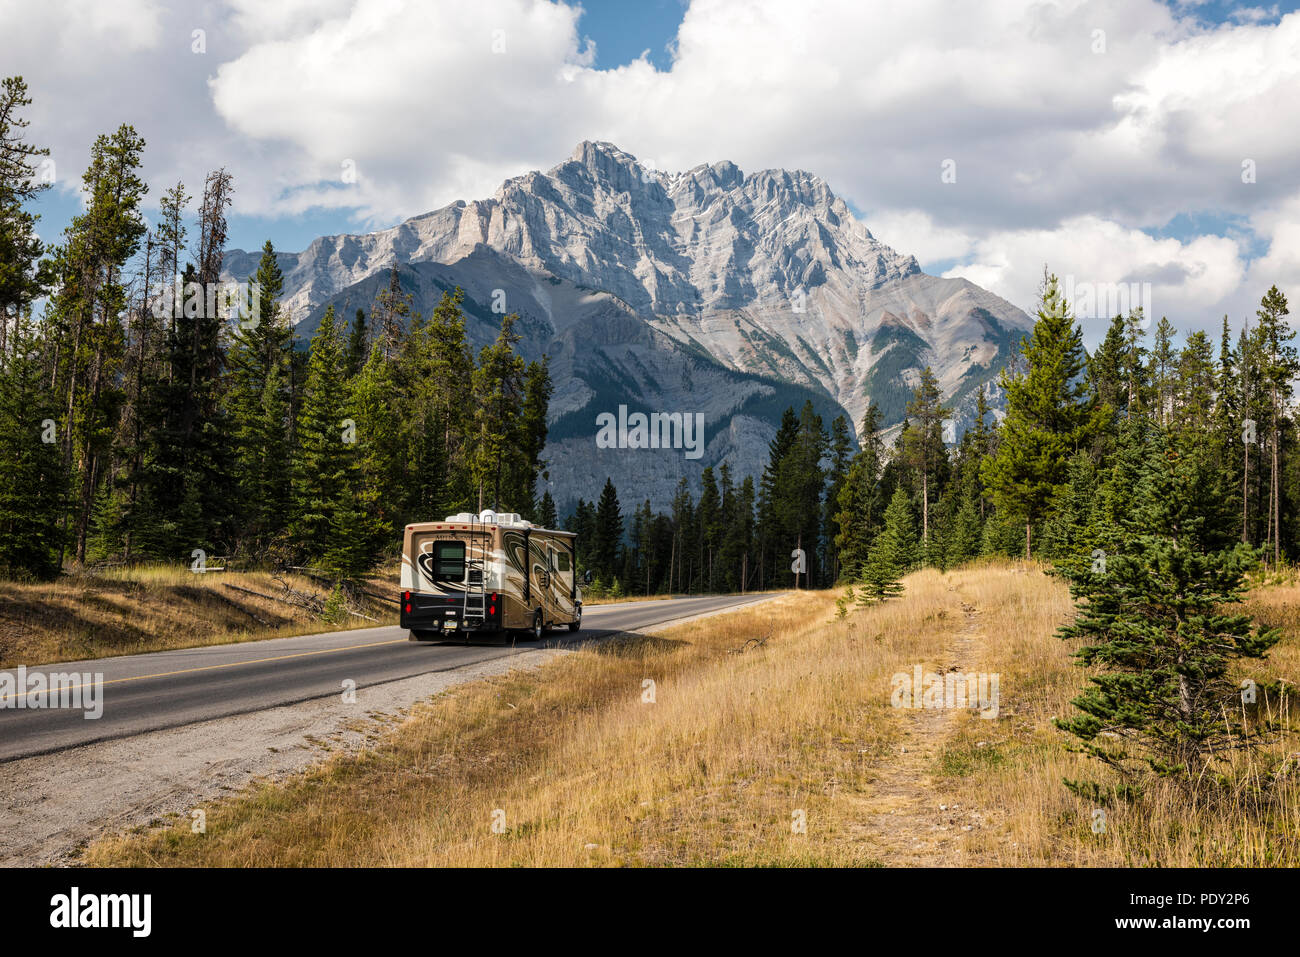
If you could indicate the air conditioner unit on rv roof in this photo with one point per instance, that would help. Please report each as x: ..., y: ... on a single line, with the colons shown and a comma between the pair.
x: 487, y: 517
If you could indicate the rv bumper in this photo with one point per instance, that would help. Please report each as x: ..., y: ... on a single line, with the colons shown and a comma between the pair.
x: 445, y: 613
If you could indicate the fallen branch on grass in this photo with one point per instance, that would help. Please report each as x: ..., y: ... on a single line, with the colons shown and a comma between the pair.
x: 238, y: 607
x: 756, y: 642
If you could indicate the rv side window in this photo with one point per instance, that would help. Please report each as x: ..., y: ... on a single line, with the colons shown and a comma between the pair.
x: 448, y: 561
x: 562, y: 561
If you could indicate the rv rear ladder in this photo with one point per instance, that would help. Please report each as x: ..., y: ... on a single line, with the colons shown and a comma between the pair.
x: 475, y: 607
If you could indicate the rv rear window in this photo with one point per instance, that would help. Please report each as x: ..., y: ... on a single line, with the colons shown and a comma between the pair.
x: 562, y: 561
x: 448, y: 561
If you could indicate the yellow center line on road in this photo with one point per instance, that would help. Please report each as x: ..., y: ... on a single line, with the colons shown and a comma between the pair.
x: 229, y: 664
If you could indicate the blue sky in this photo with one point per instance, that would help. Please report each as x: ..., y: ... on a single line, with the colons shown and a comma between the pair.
x: 624, y: 30
x: 1112, y: 163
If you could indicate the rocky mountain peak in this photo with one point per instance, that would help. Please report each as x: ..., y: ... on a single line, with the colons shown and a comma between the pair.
x: 711, y: 290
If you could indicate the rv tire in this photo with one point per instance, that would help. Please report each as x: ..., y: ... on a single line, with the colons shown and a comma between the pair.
x: 539, y: 627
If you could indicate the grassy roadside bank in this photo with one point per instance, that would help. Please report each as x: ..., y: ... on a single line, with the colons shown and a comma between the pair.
x: 154, y: 608
x: 158, y: 608
x: 761, y: 718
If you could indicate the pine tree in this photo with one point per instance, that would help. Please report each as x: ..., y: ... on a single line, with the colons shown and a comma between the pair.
x: 391, y: 312
x: 925, y: 447
x: 358, y: 345
x: 498, y: 396
x: 1193, y: 386
x: 1106, y: 368
x: 857, y: 501
x: 546, y: 516
x: 368, y: 507
x: 31, y: 493
x: 87, y: 310
x: 432, y: 374
x: 893, y: 554
x: 22, y: 281
x: 257, y: 403
x: 322, y: 455
x: 795, y: 489
x: 1280, y: 367
x: 1155, y: 624
x: 530, y: 435
x: 1162, y: 370
x: 841, y: 459
x: 773, y: 496
x: 709, y: 512
x: 963, y: 541
x: 1050, y: 416
x: 607, y: 533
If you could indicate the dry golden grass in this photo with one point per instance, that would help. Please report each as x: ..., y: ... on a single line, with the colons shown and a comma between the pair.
x: 1014, y: 767
x: 154, y: 608
x: 592, y: 601
x: 736, y: 744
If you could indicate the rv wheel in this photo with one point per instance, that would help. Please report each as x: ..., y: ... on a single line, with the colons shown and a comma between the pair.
x: 538, y: 628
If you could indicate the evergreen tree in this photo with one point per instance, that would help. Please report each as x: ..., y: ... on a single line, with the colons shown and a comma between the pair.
x: 531, y: 431
x: 1280, y: 367
x: 546, y: 516
x: 963, y: 542
x: 710, y: 516
x: 1106, y: 368
x: 432, y: 377
x: 358, y: 344
x: 21, y: 280
x: 1155, y: 622
x: 857, y: 501
x: 774, y: 520
x: 31, y: 494
x: 323, y: 453
x: 391, y: 312
x: 841, y: 459
x: 1050, y: 416
x: 607, y: 533
x: 924, y: 448
x: 1162, y: 371
x: 893, y: 554
x: 258, y: 409
x: 498, y: 396
x: 87, y: 310
x: 368, y: 507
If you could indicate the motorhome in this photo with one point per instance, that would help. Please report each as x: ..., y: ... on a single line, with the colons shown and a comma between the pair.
x: 488, y: 573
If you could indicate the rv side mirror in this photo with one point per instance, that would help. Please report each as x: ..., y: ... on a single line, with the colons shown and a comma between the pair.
x: 586, y: 577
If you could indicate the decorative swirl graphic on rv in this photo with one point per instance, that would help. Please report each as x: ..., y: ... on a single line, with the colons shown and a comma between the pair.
x: 425, y: 561
x: 515, y: 550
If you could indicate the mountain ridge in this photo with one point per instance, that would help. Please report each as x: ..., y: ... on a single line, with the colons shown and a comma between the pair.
x: 711, y: 290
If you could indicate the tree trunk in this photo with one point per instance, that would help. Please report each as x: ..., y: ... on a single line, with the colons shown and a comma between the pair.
x: 1274, y: 493
x: 1245, y: 494
x: 925, y: 508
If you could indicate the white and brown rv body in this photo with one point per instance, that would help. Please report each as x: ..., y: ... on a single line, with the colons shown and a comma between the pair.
x: 490, y: 572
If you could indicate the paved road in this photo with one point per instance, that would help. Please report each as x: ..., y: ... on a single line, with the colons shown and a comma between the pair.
x: 168, y: 689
